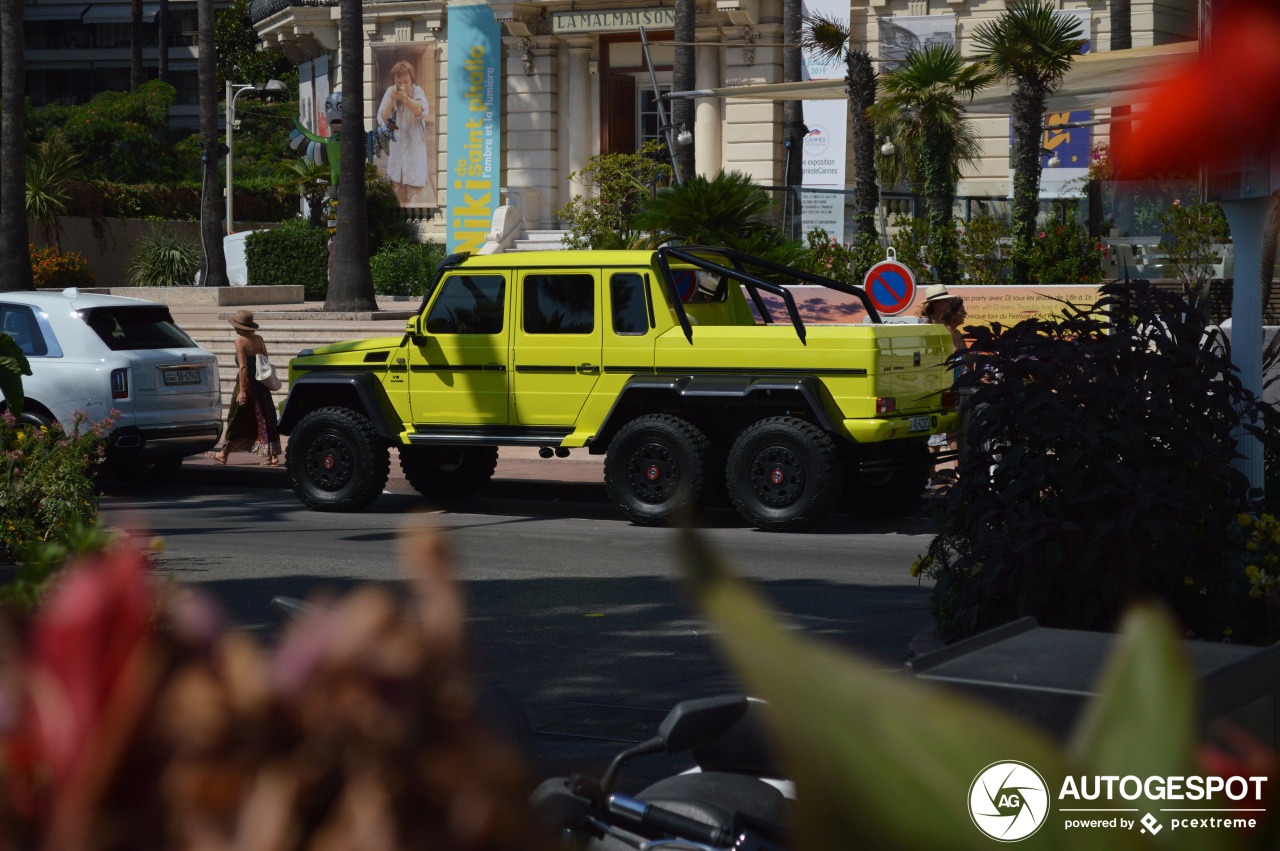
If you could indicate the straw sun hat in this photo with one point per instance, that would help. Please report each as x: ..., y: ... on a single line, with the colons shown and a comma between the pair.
x: 243, y: 321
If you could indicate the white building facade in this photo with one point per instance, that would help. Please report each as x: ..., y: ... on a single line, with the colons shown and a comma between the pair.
x: 575, y: 83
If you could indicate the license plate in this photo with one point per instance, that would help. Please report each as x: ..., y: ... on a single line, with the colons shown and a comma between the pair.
x: 919, y: 424
x: 178, y: 377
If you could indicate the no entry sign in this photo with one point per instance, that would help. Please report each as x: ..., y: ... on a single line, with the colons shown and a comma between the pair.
x: 890, y: 286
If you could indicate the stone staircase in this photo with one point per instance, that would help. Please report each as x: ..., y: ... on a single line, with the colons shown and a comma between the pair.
x: 285, y: 338
x: 541, y: 240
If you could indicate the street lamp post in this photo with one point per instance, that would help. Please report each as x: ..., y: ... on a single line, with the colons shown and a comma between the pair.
x: 234, y: 90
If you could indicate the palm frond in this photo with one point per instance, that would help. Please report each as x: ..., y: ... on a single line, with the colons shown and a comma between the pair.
x: 824, y: 35
x: 1030, y: 43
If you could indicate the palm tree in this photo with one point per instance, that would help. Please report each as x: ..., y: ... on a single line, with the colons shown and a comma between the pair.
x: 48, y: 174
x: 162, y: 39
x: 1033, y: 48
x: 215, y: 262
x: 727, y: 210
x: 683, y: 80
x: 351, y: 285
x: 830, y: 37
x: 136, y: 75
x: 793, y: 127
x: 923, y: 108
x: 15, y: 257
x: 312, y: 181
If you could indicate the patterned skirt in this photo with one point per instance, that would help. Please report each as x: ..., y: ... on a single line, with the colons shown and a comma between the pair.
x: 252, y: 426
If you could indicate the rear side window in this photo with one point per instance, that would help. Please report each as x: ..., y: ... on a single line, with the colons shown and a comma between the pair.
x: 559, y: 304
x: 469, y: 304
x: 131, y: 328
x: 628, y: 297
x: 19, y: 322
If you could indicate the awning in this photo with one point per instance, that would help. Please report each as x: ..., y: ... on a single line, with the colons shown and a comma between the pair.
x: 53, y: 11
x: 117, y: 13
x: 1095, y: 80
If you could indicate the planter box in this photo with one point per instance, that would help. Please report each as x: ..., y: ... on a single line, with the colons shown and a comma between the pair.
x: 1045, y: 676
x: 209, y: 296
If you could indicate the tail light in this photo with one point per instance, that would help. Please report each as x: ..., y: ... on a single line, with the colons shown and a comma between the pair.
x: 120, y: 383
x: 886, y: 404
x: 950, y: 399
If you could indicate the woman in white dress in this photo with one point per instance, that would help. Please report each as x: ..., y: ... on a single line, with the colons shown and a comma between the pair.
x: 404, y: 111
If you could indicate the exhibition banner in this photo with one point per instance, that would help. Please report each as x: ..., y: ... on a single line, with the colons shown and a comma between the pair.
x: 824, y: 146
x: 475, y: 124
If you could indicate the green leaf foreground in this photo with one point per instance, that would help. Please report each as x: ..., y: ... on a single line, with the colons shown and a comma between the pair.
x: 884, y: 760
x: 13, y: 365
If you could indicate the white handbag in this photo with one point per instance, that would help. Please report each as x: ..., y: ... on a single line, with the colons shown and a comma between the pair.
x: 266, y: 373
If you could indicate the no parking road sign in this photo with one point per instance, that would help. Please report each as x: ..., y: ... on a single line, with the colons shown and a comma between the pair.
x: 890, y: 286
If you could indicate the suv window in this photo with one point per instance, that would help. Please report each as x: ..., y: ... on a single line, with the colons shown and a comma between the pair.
x: 130, y: 328
x: 19, y: 322
x: 629, y: 299
x: 559, y: 304
x: 469, y: 304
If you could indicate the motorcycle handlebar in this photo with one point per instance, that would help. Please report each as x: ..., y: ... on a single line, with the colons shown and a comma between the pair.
x: 651, y: 820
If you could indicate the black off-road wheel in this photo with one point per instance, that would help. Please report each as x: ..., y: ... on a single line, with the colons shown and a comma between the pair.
x: 783, y: 474
x: 448, y: 472
x: 336, y: 460
x: 655, y: 467
x: 890, y: 492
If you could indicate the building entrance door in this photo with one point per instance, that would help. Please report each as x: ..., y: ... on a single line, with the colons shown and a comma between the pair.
x: 629, y: 110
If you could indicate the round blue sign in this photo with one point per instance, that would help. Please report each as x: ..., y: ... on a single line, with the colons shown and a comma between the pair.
x: 890, y: 286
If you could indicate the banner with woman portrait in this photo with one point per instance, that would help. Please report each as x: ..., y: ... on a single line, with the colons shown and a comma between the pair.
x: 405, y: 114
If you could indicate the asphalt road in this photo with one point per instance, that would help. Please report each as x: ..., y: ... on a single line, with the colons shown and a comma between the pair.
x: 577, y: 612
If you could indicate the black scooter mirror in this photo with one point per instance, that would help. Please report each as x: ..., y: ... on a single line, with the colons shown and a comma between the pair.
x: 696, y: 722
x: 689, y: 723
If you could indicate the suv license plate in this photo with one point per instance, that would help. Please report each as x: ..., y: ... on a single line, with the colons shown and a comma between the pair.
x: 175, y: 377
x: 919, y: 424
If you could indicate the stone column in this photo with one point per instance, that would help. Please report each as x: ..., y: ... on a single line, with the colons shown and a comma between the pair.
x: 707, y: 111
x: 530, y: 140
x: 578, y: 117
x: 1248, y: 219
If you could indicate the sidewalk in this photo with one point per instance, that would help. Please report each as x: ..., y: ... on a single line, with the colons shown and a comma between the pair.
x: 519, y: 463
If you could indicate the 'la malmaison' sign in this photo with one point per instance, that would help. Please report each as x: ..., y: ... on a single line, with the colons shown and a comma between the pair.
x: 612, y: 20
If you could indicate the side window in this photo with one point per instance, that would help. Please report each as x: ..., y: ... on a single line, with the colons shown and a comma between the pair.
x: 628, y: 297
x: 19, y: 322
x: 469, y: 304
x: 559, y: 304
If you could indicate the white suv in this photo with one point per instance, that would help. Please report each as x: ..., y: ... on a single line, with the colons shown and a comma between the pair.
x: 98, y: 353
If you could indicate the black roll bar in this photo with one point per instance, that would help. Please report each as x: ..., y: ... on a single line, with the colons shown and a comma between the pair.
x: 738, y: 271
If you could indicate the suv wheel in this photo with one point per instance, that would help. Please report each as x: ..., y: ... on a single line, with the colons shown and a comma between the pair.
x: 656, y: 466
x: 783, y: 474
x: 448, y: 472
x: 336, y: 460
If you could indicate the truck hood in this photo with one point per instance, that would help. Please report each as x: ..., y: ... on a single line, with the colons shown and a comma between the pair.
x: 354, y: 352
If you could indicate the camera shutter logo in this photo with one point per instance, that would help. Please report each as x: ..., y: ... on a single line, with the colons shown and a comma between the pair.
x: 1008, y: 801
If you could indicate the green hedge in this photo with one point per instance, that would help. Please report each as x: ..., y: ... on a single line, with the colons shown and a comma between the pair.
x: 294, y: 253
x: 405, y: 268
x: 95, y: 199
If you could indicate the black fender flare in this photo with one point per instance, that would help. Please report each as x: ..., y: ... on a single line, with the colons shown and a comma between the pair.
x: 358, y: 390
x: 706, y: 389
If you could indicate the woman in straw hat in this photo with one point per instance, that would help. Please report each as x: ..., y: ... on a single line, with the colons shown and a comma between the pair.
x: 251, y: 425
x: 942, y: 308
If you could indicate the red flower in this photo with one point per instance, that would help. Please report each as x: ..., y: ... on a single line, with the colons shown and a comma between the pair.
x: 1220, y: 107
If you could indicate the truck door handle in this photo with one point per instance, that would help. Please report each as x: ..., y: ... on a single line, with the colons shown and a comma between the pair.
x: 588, y: 367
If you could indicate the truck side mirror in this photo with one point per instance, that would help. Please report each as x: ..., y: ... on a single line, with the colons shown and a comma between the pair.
x: 414, y: 326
